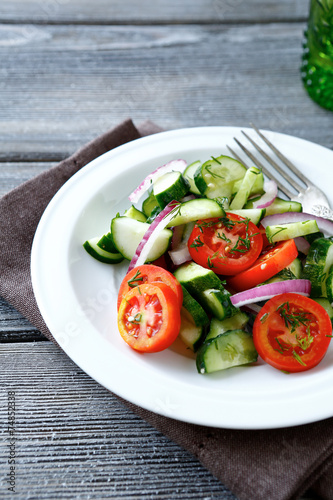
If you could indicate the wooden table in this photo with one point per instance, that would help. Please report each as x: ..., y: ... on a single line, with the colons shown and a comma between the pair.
x: 71, y: 69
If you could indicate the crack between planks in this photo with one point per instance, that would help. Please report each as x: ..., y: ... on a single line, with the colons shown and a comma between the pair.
x: 155, y: 22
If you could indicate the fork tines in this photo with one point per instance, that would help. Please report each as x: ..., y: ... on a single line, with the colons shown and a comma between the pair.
x: 293, y: 182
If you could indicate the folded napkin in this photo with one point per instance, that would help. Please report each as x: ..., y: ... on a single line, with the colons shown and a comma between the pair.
x: 277, y: 464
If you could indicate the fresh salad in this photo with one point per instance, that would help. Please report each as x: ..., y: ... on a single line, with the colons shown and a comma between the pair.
x: 220, y: 261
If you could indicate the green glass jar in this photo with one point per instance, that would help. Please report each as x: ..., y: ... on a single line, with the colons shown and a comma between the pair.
x: 317, y: 61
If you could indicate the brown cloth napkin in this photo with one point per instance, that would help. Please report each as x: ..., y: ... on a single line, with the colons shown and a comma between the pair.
x: 277, y: 464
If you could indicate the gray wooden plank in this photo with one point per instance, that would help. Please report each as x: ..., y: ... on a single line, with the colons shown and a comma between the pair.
x: 63, y: 85
x: 145, y: 11
x: 74, y: 439
x: 14, y: 327
x: 12, y: 174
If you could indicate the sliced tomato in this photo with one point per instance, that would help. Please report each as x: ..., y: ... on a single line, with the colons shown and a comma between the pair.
x: 292, y: 332
x: 227, y: 245
x: 149, y: 273
x: 149, y: 317
x: 272, y: 260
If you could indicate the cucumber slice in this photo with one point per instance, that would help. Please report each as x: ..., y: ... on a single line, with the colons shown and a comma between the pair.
x: 194, y: 309
x: 205, y: 286
x: 149, y: 204
x: 106, y: 243
x: 217, y: 302
x: 236, y: 322
x: 190, y: 333
x: 127, y: 234
x: 170, y: 186
x: 296, y: 268
x: 189, y: 176
x: 232, y: 348
x: 290, y: 231
x: 136, y: 214
x: 245, y: 188
x: 329, y: 285
x: 279, y: 206
x: 317, y: 265
x: 325, y: 303
x: 94, y: 249
x: 313, y: 236
x: 217, y: 176
x: 291, y: 272
x: 257, y: 188
x: 254, y: 214
x: 193, y: 210
x: 196, y: 279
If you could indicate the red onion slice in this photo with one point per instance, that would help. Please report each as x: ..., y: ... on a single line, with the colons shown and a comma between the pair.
x: 271, y: 190
x: 265, y: 292
x: 302, y: 245
x: 177, y: 236
x: 176, y: 165
x: 324, y: 225
x: 180, y: 255
x: 147, y: 242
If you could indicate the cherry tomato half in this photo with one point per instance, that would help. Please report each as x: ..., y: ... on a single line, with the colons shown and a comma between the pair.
x: 149, y: 273
x: 272, y: 260
x: 149, y: 317
x: 292, y: 332
x: 227, y: 245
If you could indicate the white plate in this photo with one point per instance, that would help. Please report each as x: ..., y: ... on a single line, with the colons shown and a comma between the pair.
x: 77, y: 295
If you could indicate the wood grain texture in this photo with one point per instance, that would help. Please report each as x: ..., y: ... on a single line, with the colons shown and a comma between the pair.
x: 63, y: 85
x: 14, y: 327
x: 146, y: 11
x: 74, y: 439
x: 12, y: 174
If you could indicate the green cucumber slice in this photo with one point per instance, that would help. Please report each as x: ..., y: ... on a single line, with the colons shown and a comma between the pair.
x: 170, y: 186
x: 149, y: 204
x: 94, y: 249
x: 193, y: 210
x: 127, y: 234
x: 205, y: 286
x: 232, y: 348
x: 236, y: 322
x: 257, y: 188
x: 136, y: 214
x: 194, y: 309
x: 254, y: 214
x: 106, y: 243
x: 189, y: 176
x: 245, y: 188
x: 329, y: 285
x: 279, y: 206
x: 317, y: 265
x: 291, y: 230
x: 217, y: 176
x: 190, y: 333
x: 217, y: 302
x: 196, y: 278
x: 291, y: 272
x: 326, y: 304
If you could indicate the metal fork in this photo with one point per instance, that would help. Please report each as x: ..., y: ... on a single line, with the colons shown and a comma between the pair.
x: 313, y: 200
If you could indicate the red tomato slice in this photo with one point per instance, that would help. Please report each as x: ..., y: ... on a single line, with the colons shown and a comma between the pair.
x: 292, y: 332
x: 149, y: 317
x: 272, y: 260
x: 149, y: 273
x: 227, y: 245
